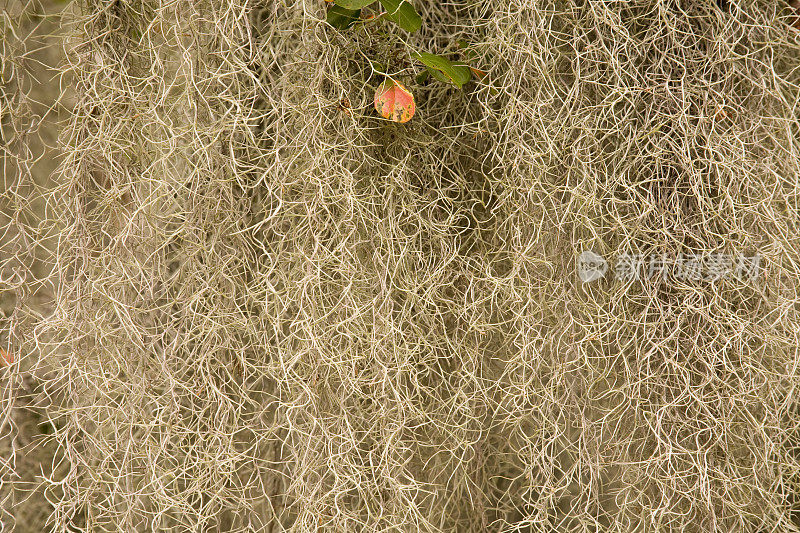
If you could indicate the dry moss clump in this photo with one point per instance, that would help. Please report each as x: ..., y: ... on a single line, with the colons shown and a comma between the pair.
x: 276, y: 315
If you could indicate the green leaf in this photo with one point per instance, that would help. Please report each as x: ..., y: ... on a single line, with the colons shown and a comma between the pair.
x: 342, y: 18
x: 438, y: 74
x: 353, y: 4
x: 442, y: 69
x: 403, y: 14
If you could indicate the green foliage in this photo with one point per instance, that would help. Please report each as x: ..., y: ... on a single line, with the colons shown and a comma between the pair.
x: 341, y: 17
x: 354, y: 4
x: 443, y: 69
x: 403, y: 14
x: 345, y: 13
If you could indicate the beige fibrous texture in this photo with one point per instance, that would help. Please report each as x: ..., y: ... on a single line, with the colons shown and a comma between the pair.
x: 266, y: 312
x: 31, y: 106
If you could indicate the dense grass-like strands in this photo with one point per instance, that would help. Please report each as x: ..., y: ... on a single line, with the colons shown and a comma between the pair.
x: 274, y: 315
x: 30, y: 106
